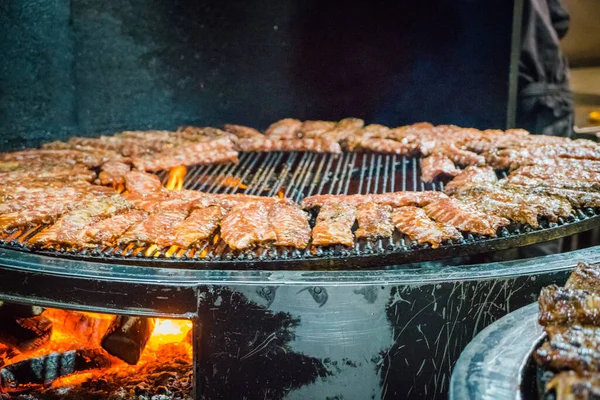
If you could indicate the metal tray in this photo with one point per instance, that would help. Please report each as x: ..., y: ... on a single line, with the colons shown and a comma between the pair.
x: 497, y: 363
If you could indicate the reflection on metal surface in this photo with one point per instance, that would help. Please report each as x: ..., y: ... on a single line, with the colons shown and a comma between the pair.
x: 318, y: 293
x: 492, y: 365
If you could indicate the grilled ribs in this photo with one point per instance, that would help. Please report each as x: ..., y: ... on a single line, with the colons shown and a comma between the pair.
x: 374, y: 221
x: 334, y: 225
x: 576, y: 198
x: 471, y: 176
x: 70, y: 228
x: 143, y: 184
x: 243, y: 132
x: 543, y: 172
x: 290, y: 224
x: 262, y: 144
x: 287, y: 128
x: 414, y: 222
x: 35, y: 198
x: 464, y: 217
x: 586, y: 277
x: 574, y: 348
x: 460, y: 156
x: 436, y: 165
x: 198, y: 226
x: 212, y: 152
x: 247, y: 225
x: 156, y: 229
x: 565, y: 306
x: 521, y: 213
x: 393, y: 199
x: 552, y: 182
x: 53, y: 156
x: 570, y: 386
x: 43, y: 207
x: 113, y: 173
x: 109, y: 229
x: 562, y: 163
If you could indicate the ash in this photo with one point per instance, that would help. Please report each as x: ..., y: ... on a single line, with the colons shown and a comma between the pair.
x: 168, y: 376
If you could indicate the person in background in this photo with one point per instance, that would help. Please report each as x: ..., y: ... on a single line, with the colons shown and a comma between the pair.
x: 545, y: 103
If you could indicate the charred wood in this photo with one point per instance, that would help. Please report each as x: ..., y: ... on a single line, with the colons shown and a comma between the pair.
x: 6, y: 353
x: 168, y: 376
x: 25, y: 334
x: 127, y: 336
x: 46, y: 369
x: 86, y: 328
x: 20, y: 310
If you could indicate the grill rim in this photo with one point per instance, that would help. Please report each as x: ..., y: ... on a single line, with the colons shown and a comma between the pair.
x: 111, y: 288
x: 143, y: 291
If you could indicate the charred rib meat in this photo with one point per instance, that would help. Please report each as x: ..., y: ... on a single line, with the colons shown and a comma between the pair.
x: 436, y: 165
x: 334, y: 225
x: 464, y: 217
x: 374, y: 221
x: 415, y: 223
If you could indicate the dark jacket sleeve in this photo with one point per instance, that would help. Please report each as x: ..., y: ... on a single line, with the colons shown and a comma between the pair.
x: 545, y: 103
x: 559, y: 17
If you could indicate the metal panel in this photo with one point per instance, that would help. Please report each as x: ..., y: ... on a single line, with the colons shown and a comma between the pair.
x: 304, y: 334
x: 495, y: 364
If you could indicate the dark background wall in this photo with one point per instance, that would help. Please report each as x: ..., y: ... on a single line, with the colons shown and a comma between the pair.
x: 89, y: 66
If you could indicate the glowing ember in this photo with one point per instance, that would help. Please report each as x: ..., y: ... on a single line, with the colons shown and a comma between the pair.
x: 280, y: 193
x: 233, y: 182
x: 73, y: 379
x: 176, y: 176
x: 171, y: 251
x: 169, y: 331
x: 150, y: 250
x: 228, y: 181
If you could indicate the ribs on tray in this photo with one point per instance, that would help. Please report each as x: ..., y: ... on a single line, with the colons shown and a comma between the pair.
x: 569, y: 358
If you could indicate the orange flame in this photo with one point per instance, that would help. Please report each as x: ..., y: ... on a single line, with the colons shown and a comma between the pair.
x: 169, y: 331
x: 176, y: 176
x: 73, y: 330
x: 171, y: 251
x: 150, y: 250
x: 280, y: 193
x: 231, y: 181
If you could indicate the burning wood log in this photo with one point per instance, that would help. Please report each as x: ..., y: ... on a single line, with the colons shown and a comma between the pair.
x: 20, y: 310
x: 86, y: 328
x: 25, y: 334
x: 127, y: 336
x: 6, y: 353
x: 46, y: 369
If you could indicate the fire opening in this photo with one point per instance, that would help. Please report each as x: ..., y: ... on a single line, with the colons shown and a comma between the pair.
x: 59, y: 354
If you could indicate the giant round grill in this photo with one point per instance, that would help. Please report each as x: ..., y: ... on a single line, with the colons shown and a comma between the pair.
x: 297, y: 175
x: 382, y: 319
x: 258, y: 312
